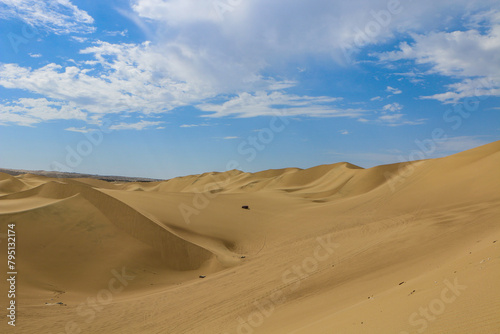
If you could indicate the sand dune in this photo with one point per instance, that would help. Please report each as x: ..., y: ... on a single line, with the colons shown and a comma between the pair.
x: 402, y: 248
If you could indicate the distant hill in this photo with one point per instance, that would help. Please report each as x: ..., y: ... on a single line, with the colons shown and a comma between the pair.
x: 109, y: 178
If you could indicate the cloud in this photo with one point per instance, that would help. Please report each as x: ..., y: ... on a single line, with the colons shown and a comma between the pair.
x: 445, y: 147
x: 467, y: 88
x: 413, y: 76
x: 127, y: 78
x: 393, y: 90
x: 29, y: 111
x: 35, y: 55
x: 458, y: 144
x: 376, y: 98
x: 80, y: 130
x: 391, y: 116
x: 133, y: 79
x: 201, y: 52
x: 230, y: 137
x: 278, y: 103
x: 79, y: 39
x: 55, y: 16
x: 193, y: 125
x: 344, y: 132
x: 177, y: 12
x: 394, y: 107
x: 472, y: 56
x: 134, y: 126
x: 453, y: 53
x: 122, y: 33
x: 261, y: 33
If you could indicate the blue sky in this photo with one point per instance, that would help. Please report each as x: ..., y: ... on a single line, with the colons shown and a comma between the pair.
x: 164, y: 88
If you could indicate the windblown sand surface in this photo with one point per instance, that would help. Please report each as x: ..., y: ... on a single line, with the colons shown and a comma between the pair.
x: 402, y: 248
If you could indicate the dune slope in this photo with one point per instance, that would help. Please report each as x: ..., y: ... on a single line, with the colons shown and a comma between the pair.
x: 401, y: 248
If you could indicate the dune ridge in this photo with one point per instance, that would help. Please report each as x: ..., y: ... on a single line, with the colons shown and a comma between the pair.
x: 346, y: 249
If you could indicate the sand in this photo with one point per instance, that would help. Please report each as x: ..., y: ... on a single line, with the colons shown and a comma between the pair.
x: 401, y: 248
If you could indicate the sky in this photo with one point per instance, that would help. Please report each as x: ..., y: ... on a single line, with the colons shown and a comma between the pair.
x: 165, y: 88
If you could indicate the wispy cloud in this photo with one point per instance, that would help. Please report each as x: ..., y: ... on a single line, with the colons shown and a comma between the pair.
x: 56, y: 16
x: 79, y: 39
x: 393, y: 90
x: 391, y: 115
x: 246, y: 105
x: 394, y: 107
x: 458, y: 144
x: 29, y: 111
x: 194, y: 125
x: 134, y: 126
x: 80, y: 130
x: 122, y: 33
x: 471, y: 55
x: 412, y: 76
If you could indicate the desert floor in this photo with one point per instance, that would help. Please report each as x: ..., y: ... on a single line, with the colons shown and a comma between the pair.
x: 402, y: 248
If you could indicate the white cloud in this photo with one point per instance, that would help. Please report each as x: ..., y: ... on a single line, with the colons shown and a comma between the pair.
x: 134, y: 78
x: 376, y: 98
x: 458, y: 53
x: 200, y: 53
x: 193, y: 125
x: 458, y: 144
x: 56, y: 16
x: 393, y: 90
x: 261, y: 33
x: 391, y: 116
x: 29, y: 111
x: 344, y: 132
x: 177, y: 12
x: 278, y: 103
x: 230, y: 137
x: 413, y: 76
x: 468, y: 88
x: 134, y: 126
x: 472, y: 55
x: 394, y: 107
x: 122, y: 33
x: 445, y: 147
x: 80, y: 130
x: 79, y: 39
x: 35, y: 55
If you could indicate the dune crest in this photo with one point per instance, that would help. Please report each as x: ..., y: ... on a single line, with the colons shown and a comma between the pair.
x: 333, y: 248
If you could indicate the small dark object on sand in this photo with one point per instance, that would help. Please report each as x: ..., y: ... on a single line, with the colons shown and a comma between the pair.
x: 202, y: 276
x: 246, y: 207
x: 243, y: 256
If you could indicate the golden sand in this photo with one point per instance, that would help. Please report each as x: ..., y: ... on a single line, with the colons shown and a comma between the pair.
x: 402, y: 248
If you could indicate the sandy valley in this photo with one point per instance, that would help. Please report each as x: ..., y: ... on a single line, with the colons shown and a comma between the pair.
x: 401, y: 248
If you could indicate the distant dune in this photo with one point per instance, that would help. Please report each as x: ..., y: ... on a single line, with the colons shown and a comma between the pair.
x: 402, y: 248
x: 54, y: 174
